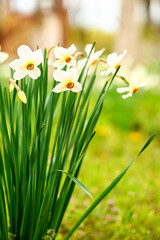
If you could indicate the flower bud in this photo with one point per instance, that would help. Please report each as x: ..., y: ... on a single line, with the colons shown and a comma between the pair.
x: 22, y: 96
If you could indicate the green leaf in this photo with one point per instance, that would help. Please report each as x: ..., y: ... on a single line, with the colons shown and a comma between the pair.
x: 76, y: 181
x: 107, y: 190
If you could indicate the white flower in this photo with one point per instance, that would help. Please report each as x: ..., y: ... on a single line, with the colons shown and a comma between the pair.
x: 64, y: 56
x: 3, y: 56
x: 113, y: 61
x: 68, y: 81
x: 133, y: 86
x: 93, y: 59
x: 27, y: 64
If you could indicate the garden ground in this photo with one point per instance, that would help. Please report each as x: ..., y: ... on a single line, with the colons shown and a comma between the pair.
x: 132, y: 210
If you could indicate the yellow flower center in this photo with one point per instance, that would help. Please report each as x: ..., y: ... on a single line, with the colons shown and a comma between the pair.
x: 116, y: 66
x: 135, y: 90
x: 70, y: 85
x: 94, y: 62
x: 68, y: 59
x: 30, y: 66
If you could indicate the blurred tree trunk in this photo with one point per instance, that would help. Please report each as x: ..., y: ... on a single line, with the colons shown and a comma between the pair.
x: 57, y: 9
x: 129, y: 34
x: 62, y: 14
x: 147, y: 6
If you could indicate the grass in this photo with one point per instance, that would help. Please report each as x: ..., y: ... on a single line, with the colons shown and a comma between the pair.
x: 123, y: 128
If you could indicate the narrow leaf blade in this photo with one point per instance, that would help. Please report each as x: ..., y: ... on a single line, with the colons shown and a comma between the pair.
x: 76, y: 181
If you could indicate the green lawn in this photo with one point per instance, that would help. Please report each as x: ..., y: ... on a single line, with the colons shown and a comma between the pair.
x: 132, y: 210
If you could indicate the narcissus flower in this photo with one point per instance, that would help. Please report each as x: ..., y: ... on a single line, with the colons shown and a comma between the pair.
x: 64, y: 56
x: 133, y: 86
x: 93, y: 59
x: 3, y: 56
x: 68, y: 81
x: 113, y: 61
x: 27, y: 64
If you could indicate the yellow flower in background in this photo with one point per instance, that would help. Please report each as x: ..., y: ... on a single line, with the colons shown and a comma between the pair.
x: 133, y: 87
x: 68, y: 80
x: 102, y: 131
x: 113, y: 60
x: 3, y: 56
x: 135, y: 136
x: 27, y: 64
x: 64, y: 56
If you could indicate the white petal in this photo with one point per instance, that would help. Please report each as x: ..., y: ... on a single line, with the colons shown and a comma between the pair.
x: 81, y: 64
x: 19, y: 74
x: 34, y: 73
x: 72, y: 49
x: 142, y: 84
x: 111, y: 59
x: 59, y: 88
x: 77, y: 87
x: 133, y: 83
x: 127, y: 95
x: 122, y: 90
x: 88, y: 48
x: 3, y: 56
x: 24, y: 52
x: 60, y: 63
x: 16, y: 64
x: 99, y: 53
x: 109, y: 70
x: 60, y: 76
x: 37, y: 57
x: 134, y: 77
x: 60, y: 52
x: 121, y: 56
x: 73, y: 74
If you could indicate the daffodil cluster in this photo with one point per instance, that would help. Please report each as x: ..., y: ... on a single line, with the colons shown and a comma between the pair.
x: 67, y: 68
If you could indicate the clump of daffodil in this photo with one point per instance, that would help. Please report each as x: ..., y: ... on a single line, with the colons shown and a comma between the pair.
x: 64, y: 56
x: 113, y: 60
x: 20, y: 93
x: 133, y: 87
x: 27, y: 64
x: 3, y: 56
x: 68, y: 80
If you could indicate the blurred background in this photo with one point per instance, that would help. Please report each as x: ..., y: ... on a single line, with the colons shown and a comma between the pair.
x: 116, y: 24
x: 132, y: 210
